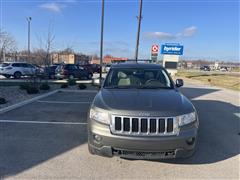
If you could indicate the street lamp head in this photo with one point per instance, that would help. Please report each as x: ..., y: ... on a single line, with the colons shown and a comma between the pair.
x: 29, y: 19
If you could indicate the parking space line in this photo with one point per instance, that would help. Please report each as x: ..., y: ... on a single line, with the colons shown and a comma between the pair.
x: 43, y: 122
x: 63, y: 102
x: 78, y: 91
x: 20, y: 104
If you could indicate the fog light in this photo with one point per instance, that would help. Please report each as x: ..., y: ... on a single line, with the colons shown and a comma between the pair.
x: 190, y: 141
x: 97, y: 138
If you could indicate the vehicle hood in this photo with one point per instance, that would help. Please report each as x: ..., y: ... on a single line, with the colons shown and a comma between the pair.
x: 143, y: 102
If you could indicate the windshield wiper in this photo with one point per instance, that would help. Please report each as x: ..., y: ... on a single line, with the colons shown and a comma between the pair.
x: 120, y: 87
x: 136, y: 87
x: 153, y: 87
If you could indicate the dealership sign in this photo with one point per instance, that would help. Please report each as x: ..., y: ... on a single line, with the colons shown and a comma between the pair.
x: 172, y: 49
x: 155, y: 49
x: 154, y: 52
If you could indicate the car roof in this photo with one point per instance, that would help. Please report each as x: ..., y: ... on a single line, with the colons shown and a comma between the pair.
x: 137, y: 65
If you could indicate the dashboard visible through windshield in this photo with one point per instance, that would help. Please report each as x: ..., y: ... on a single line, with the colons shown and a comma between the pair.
x: 138, y: 78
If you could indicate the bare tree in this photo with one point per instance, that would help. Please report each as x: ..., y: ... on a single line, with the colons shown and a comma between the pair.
x: 69, y: 47
x: 39, y: 56
x: 7, y: 43
x: 49, y: 45
x: 67, y: 50
x: 45, y: 47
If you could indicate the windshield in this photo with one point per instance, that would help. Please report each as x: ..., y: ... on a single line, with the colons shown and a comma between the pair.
x: 138, y: 78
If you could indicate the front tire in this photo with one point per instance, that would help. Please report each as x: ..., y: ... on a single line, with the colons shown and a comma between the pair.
x: 17, y: 75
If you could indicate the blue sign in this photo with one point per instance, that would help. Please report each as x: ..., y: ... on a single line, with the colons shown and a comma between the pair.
x: 172, y: 49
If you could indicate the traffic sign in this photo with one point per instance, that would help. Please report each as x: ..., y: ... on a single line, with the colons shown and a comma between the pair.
x: 155, y: 48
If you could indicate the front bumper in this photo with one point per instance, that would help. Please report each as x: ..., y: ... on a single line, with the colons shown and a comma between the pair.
x: 102, y: 142
x: 5, y: 73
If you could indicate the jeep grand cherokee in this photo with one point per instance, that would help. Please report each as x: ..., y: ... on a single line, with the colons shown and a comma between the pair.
x: 139, y: 113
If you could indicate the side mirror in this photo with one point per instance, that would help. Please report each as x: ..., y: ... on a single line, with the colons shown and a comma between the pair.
x: 179, y: 82
x: 96, y: 82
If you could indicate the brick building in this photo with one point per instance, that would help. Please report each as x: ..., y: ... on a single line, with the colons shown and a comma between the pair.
x: 108, y: 60
x: 70, y: 58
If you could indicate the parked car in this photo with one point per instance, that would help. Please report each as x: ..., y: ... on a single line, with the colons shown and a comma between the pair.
x: 39, y: 70
x: 107, y: 67
x: 139, y: 113
x: 205, y: 68
x: 72, y: 71
x: 50, y: 71
x: 223, y: 69
x: 17, y: 69
x: 94, y: 68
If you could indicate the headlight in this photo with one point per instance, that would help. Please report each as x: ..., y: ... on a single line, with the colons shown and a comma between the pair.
x: 102, y: 117
x: 187, y: 118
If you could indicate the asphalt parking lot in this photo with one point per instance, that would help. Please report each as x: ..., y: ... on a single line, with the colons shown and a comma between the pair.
x: 47, y: 139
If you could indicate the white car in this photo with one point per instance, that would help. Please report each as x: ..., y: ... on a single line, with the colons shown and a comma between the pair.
x: 107, y: 67
x: 17, y: 69
x: 223, y: 69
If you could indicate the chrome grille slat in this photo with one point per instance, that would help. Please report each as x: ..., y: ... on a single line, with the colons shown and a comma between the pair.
x: 139, y: 125
x: 155, y: 121
x: 121, y: 124
x: 130, y: 126
x: 165, y: 131
x: 157, y: 125
x: 148, y: 125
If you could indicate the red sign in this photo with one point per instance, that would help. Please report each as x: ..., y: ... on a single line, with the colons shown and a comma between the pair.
x: 155, y: 48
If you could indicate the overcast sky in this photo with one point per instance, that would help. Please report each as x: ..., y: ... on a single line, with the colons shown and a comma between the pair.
x: 207, y: 28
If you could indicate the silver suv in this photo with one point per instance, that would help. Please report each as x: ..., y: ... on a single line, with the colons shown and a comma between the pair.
x: 17, y: 69
x: 139, y: 113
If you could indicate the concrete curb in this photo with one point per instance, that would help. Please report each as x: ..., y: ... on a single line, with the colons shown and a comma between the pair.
x: 78, y: 91
x: 14, y: 106
x: 59, y: 82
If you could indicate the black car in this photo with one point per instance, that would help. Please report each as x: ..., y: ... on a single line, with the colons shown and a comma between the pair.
x: 205, y: 68
x: 94, y: 68
x: 50, y: 71
x: 71, y: 71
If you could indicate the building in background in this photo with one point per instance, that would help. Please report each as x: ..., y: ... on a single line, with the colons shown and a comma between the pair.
x: 70, y: 58
x: 190, y: 65
x: 108, y: 60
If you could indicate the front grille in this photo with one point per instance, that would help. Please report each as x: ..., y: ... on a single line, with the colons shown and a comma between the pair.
x: 144, y: 125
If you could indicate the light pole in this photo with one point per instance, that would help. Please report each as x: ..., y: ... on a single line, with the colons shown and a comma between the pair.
x: 101, y: 43
x: 139, y: 17
x: 29, y: 23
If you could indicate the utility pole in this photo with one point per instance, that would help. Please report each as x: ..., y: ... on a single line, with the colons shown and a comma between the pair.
x: 29, y: 23
x: 101, y: 43
x: 139, y: 17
